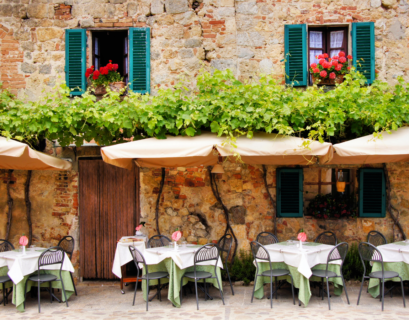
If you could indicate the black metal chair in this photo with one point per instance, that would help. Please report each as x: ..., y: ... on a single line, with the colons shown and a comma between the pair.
x: 327, y: 237
x: 138, y: 258
x: 376, y: 238
x: 266, y: 238
x: 370, y: 253
x: 52, y: 256
x: 225, y: 243
x: 338, y: 253
x: 68, y: 244
x: 5, y: 246
x: 261, y: 254
x: 158, y: 241
x: 209, y: 252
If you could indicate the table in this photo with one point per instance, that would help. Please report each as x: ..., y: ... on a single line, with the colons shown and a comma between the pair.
x: 19, y: 267
x: 396, y: 258
x: 177, y: 263
x: 123, y: 256
x: 287, y: 255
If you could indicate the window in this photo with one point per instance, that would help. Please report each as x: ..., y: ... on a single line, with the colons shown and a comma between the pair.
x: 299, y: 53
x: 372, y: 193
x: 130, y: 49
x: 290, y: 193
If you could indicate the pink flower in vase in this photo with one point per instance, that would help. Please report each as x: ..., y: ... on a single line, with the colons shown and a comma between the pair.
x: 302, y: 236
x: 138, y: 227
x: 176, y: 236
x: 23, y: 241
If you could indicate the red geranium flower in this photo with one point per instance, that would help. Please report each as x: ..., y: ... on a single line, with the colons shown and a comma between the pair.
x: 321, y: 62
x: 327, y: 65
x: 95, y: 75
x: 104, y: 70
x: 109, y: 65
x: 332, y: 75
x: 349, y: 68
x: 341, y: 54
x: 342, y: 60
x: 320, y: 56
x: 335, y: 57
x: 334, y: 63
x: 349, y: 56
x: 313, y: 65
x: 338, y: 67
x: 115, y: 67
x: 325, y: 55
x: 316, y: 70
x: 323, y: 73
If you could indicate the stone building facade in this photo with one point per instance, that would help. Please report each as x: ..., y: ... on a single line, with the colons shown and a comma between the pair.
x: 187, y: 35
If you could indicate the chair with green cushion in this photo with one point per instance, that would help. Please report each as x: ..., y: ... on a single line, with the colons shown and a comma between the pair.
x: 5, y: 246
x: 336, y: 254
x: 376, y: 238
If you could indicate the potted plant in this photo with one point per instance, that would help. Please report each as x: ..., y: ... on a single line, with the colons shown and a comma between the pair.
x: 105, y: 76
x: 330, y: 71
x: 330, y: 206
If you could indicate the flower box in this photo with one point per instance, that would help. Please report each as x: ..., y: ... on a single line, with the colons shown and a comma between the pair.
x: 328, y: 82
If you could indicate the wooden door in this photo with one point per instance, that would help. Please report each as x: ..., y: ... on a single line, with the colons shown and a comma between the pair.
x: 109, y: 209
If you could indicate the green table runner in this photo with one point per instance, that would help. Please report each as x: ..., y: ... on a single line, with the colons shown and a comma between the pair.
x: 300, y: 282
x: 175, y: 275
x: 400, y: 267
x: 18, y: 289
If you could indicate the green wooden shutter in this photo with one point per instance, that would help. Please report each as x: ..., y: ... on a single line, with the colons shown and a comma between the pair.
x: 290, y: 193
x: 139, y: 60
x: 363, y: 49
x: 75, y: 60
x: 372, y: 193
x: 295, y: 49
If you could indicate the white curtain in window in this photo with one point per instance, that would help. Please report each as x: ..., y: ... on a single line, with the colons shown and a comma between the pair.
x: 315, y: 39
x: 334, y: 52
x: 313, y: 54
x: 337, y: 39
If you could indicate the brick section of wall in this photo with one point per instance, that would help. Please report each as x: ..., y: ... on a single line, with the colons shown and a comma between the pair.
x: 10, y: 58
x: 62, y: 12
x: 66, y: 195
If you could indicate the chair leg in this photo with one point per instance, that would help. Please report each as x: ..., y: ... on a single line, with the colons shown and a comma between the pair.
x: 39, y: 305
x: 147, y: 293
x: 159, y: 289
x: 276, y: 287
x: 205, y: 289
x: 4, y: 293
x: 75, y: 289
x: 292, y: 288
x: 383, y: 292
x: 329, y: 303
x: 63, y: 291
x: 360, y: 290
x: 254, y: 288
x: 197, y: 297
x: 271, y: 292
x: 228, y: 276
x: 136, y: 288
x: 51, y: 293
x: 403, y: 292
x: 322, y: 288
x: 380, y: 291
x: 345, y: 287
x: 181, y: 290
x: 220, y: 289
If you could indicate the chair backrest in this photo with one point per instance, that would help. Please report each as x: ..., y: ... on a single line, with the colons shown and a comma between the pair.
x: 67, y: 244
x: 376, y: 238
x: 225, y: 243
x: 208, y: 252
x: 158, y: 241
x: 327, y: 237
x: 137, y: 257
x: 54, y: 255
x: 5, y: 246
x: 266, y: 238
x: 259, y: 253
x: 368, y: 252
x: 338, y: 253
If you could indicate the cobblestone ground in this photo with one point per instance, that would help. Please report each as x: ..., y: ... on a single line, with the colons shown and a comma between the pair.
x: 102, y: 300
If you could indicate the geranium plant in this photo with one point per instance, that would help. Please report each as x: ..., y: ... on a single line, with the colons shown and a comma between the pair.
x: 104, y: 76
x: 330, y: 68
x: 332, y: 206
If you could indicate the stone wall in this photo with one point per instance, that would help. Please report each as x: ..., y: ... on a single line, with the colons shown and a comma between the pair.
x: 245, y: 36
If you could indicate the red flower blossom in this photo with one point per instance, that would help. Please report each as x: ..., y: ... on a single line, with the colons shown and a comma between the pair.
x: 313, y: 65
x: 325, y: 55
x: 320, y: 56
x: 341, y: 54
x: 334, y: 63
x: 115, y: 67
x: 332, y: 75
x: 104, y: 70
x: 95, y: 75
x: 349, y: 68
x: 335, y: 57
x: 325, y: 216
x: 349, y: 56
x: 342, y: 59
x: 327, y: 65
x: 316, y: 70
x: 338, y: 67
x: 109, y: 65
x: 323, y: 73
x: 321, y: 62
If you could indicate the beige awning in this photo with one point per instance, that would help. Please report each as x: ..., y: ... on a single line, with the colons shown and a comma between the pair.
x: 392, y: 147
x: 263, y: 148
x: 19, y: 156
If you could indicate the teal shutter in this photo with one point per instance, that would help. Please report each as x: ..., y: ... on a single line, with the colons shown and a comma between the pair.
x: 295, y: 49
x: 372, y: 193
x: 139, y: 60
x: 75, y: 60
x: 363, y: 49
x: 290, y: 193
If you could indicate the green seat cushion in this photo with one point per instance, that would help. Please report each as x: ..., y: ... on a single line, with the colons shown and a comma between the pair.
x: 199, y: 275
x: 43, y: 277
x: 275, y: 273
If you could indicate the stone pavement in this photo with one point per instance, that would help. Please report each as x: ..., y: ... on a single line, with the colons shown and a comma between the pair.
x: 103, y: 300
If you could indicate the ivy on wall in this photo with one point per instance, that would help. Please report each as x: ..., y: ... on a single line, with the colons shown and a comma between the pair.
x: 218, y: 103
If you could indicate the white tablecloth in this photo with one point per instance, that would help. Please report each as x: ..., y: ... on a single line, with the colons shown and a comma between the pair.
x: 122, y: 254
x: 395, y: 252
x: 183, y: 257
x: 20, y: 265
x: 304, y: 260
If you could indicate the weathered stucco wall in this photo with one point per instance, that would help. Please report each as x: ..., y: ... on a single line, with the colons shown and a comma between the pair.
x: 245, y: 36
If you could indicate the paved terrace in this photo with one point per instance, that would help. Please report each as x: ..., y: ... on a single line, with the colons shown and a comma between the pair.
x: 103, y: 300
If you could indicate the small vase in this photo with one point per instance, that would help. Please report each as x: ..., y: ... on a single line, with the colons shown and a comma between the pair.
x: 300, y: 245
x: 175, y: 246
x: 139, y: 233
x: 24, y: 250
